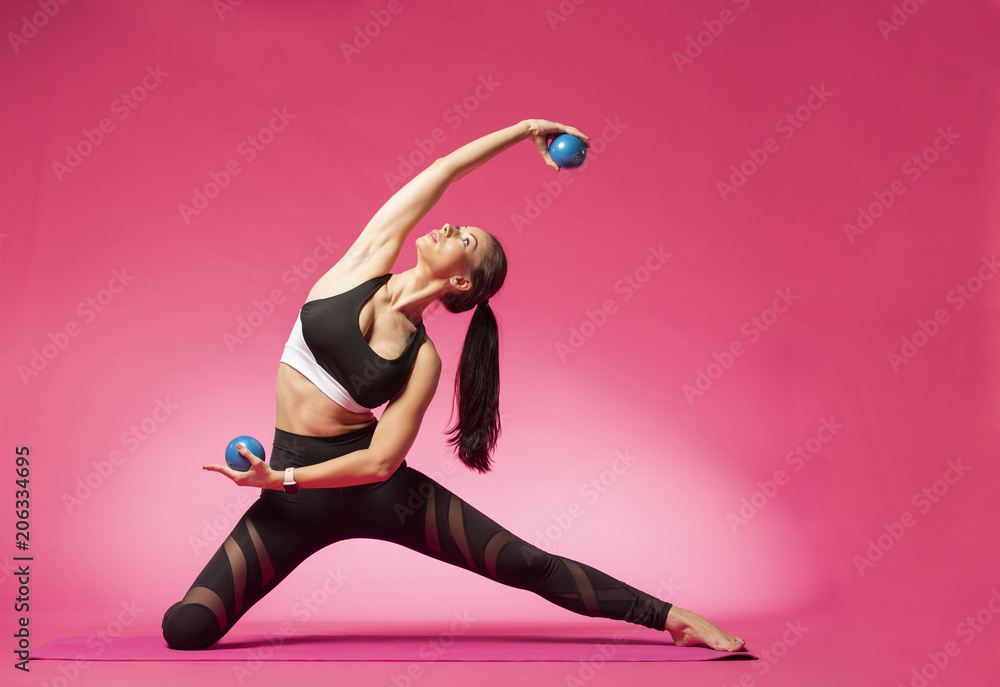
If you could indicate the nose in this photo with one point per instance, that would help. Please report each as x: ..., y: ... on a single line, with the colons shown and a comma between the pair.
x: 448, y: 229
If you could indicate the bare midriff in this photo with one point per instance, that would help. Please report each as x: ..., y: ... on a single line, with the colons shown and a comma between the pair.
x: 304, y: 409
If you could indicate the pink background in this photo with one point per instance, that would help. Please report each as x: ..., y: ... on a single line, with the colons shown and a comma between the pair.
x: 665, y: 137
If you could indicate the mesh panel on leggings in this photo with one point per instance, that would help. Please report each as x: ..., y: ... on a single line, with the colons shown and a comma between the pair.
x: 204, y: 596
x: 279, y: 531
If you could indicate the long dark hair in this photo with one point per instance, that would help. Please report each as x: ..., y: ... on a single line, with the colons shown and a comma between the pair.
x: 477, y: 379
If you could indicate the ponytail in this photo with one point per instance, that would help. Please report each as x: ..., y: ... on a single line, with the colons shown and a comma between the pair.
x: 477, y: 379
x: 477, y: 392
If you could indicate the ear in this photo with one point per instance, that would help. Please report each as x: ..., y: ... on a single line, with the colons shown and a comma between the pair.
x: 460, y: 282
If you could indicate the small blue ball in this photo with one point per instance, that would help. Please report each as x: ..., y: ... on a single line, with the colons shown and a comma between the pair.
x: 238, y: 462
x: 568, y: 151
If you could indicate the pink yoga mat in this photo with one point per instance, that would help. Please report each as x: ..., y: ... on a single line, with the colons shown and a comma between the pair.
x: 275, y: 647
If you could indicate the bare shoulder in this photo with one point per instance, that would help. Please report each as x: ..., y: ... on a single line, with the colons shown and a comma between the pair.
x: 428, y: 360
x: 352, y: 269
x: 422, y: 383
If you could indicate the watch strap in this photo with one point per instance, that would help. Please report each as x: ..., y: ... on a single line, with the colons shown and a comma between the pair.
x: 290, y: 486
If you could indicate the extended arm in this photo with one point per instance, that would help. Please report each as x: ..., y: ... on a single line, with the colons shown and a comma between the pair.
x: 383, y: 237
x: 393, y: 437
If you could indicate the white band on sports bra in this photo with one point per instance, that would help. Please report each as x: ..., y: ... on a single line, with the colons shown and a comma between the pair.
x: 297, y: 354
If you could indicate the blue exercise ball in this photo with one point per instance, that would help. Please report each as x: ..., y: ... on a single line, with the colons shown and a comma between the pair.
x: 568, y: 151
x: 238, y: 462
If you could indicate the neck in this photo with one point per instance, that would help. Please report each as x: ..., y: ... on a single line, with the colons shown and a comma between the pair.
x: 410, y: 292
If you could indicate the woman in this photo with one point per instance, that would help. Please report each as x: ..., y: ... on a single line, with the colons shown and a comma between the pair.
x: 337, y: 473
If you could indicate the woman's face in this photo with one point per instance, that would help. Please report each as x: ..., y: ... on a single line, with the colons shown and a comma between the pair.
x: 450, y: 251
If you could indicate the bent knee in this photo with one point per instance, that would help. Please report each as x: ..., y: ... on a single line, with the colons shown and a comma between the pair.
x: 190, y: 627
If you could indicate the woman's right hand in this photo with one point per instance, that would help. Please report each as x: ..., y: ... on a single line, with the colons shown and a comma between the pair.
x: 259, y: 475
x: 543, y: 131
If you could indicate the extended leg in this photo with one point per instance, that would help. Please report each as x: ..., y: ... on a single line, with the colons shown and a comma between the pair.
x: 415, y: 511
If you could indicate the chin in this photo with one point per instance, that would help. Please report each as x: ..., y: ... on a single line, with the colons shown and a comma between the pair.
x: 421, y: 255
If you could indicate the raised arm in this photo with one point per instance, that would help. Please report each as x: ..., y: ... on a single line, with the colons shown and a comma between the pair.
x: 381, y: 240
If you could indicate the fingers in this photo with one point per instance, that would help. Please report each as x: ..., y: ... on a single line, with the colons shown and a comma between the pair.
x: 223, y: 469
x: 543, y: 149
x: 572, y: 130
x: 242, y: 479
x: 576, y: 132
x: 245, y: 452
x: 553, y: 129
x: 544, y: 131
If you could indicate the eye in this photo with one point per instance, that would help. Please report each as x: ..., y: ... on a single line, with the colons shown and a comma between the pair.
x: 466, y: 242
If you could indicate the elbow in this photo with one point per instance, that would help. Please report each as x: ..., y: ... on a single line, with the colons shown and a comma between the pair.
x: 442, y: 167
x: 384, y: 468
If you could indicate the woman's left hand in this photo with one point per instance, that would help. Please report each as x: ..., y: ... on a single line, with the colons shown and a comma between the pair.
x: 260, y: 475
x: 542, y: 131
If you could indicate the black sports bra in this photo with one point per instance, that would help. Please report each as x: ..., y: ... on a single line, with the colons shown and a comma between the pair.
x: 329, y: 330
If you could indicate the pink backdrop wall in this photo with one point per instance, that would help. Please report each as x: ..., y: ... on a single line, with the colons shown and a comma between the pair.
x: 140, y: 337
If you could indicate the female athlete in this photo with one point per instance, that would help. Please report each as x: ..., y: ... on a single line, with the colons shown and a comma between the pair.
x: 336, y: 472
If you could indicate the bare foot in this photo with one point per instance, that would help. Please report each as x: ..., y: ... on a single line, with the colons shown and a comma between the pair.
x: 690, y: 629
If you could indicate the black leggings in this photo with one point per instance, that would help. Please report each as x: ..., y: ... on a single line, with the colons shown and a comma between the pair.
x: 280, y: 530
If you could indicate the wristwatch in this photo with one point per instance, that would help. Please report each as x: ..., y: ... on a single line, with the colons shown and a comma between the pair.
x: 290, y: 486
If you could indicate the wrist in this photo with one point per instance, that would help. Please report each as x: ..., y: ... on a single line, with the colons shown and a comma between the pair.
x: 275, y: 479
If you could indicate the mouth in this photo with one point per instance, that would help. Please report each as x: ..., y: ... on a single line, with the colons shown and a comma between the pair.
x: 434, y: 236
